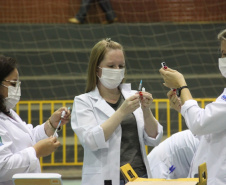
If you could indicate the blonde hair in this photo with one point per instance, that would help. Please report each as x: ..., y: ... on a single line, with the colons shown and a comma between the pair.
x: 222, y: 35
x: 98, y: 53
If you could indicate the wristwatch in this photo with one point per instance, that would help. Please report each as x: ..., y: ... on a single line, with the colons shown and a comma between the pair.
x: 178, y: 91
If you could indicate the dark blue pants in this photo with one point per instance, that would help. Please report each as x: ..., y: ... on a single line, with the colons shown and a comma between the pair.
x: 104, y: 4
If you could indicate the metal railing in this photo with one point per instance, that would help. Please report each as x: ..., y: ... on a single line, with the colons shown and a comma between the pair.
x: 43, y: 109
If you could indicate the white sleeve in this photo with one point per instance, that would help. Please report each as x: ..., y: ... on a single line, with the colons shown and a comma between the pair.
x: 24, y: 161
x: 38, y: 132
x: 158, y: 160
x: 204, y: 121
x: 150, y: 141
x: 85, y: 125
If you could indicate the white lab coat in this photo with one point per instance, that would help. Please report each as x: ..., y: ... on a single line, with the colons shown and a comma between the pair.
x: 16, y: 152
x: 102, y: 158
x: 171, y: 159
x: 209, y: 125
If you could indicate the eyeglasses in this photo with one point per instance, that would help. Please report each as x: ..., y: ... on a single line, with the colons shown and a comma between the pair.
x: 13, y: 82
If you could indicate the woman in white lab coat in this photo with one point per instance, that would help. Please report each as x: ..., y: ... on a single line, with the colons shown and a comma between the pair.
x: 20, y: 144
x: 112, y: 122
x: 208, y: 124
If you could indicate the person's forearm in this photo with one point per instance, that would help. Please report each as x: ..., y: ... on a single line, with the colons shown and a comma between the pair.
x: 150, y: 124
x: 185, y: 95
x: 49, y: 129
x: 185, y: 92
x: 110, y: 125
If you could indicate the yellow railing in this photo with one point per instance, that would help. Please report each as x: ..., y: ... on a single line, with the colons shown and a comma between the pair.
x: 46, y: 107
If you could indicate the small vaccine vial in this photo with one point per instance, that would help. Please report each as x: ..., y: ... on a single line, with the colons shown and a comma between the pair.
x: 164, y: 65
x: 63, y: 114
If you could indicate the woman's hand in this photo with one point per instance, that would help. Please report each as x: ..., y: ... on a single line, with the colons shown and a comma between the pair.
x: 52, y: 123
x: 46, y: 146
x: 173, y: 79
x: 175, y: 102
x: 56, y: 117
x: 130, y: 105
x: 146, y: 100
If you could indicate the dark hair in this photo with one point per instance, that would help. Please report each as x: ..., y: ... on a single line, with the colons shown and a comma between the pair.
x: 7, y: 65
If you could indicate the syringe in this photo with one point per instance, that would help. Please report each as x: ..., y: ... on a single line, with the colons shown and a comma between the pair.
x: 62, y: 116
x: 140, y: 86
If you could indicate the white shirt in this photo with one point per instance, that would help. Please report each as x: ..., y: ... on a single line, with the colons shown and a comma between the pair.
x: 209, y: 125
x: 102, y: 158
x: 171, y: 159
x: 16, y: 152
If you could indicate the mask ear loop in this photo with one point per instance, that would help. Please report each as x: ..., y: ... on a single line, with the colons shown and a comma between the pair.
x: 18, y: 86
x: 223, y: 38
x: 18, y: 83
x: 4, y: 85
x: 97, y: 72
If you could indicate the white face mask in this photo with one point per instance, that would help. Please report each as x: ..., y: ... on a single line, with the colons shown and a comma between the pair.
x: 111, y: 78
x: 222, y: 66
x: 13, y: 98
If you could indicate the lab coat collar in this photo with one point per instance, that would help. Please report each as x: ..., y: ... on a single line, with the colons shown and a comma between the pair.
x: 15, y: 116
x: 102, y: 105
x: 126, y: 90
x: 95, y: 94
x: 16, y: 120
x: 12, y: 116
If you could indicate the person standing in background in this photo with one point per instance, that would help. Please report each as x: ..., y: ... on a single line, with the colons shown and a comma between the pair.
x: 113, y: 122
x: 105, y: 6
